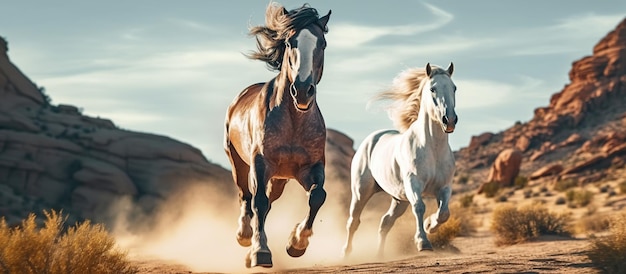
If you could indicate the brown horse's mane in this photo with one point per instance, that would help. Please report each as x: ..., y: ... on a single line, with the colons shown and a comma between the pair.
x: 280, y: 24
x: 406, y: 94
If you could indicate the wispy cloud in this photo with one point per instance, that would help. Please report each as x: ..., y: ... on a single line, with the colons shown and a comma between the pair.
x: 374, y: 58
x: 349, y: 36
x: 192, y: 25
x: 560, y: 37
x: 590, y: 24
x: 132, y: 34
x: 483, y: 93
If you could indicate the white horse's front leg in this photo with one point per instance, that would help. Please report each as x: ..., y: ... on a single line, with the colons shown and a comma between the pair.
x: 443, y: 213
x: 413, y: 188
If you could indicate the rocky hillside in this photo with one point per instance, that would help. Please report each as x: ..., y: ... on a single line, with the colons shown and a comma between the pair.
x: 52, y: 156
x: 581, y: 133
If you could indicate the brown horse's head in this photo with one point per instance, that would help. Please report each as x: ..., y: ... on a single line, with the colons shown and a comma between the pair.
x: 304, y: 53
x: 293, y: 42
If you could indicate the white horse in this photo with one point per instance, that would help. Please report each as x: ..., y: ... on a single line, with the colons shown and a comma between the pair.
x: 411, y: 162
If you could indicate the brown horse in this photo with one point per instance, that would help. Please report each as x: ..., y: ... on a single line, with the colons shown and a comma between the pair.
x: 275, y: 130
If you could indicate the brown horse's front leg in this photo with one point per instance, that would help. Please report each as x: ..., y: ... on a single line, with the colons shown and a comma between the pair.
x: 259, y: 254
x: 313, y: 182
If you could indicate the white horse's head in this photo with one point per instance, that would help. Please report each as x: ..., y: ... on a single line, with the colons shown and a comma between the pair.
x: 442, y: 90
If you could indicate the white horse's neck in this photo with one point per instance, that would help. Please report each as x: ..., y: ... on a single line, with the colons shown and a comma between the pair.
x: 427, y: 132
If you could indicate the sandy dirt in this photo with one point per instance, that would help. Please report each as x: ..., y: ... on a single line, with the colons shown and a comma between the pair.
x: 475, y: 254
x: 202, y: 241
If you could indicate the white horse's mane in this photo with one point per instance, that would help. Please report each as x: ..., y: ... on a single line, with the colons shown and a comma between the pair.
x: 406, y: 93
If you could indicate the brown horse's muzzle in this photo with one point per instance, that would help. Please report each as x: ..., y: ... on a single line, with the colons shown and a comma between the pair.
x: 303, y: 95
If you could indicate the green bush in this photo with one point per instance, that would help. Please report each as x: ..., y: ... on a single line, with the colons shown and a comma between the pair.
x: 84, y: 248
x: 512, y: 225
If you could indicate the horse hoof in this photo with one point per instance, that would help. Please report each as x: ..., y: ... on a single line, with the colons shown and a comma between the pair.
x: 424, y: 246
x: 295, y: 252
x: 427, y: 226
x: 248, y: 261
x: 245, y: 242
x: 345, y: 253
x: 261, y: 258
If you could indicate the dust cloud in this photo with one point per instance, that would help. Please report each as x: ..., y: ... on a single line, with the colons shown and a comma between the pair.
x: 197, y: 227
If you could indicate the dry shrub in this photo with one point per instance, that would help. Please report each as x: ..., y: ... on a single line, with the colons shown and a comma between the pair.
x: 445, y: 233
x: 467, y: 219
x: 528, y: 193
x: 520, y: 182
x: 592, y: 224
x: 604, y: 188
x: 462, y: 222
x: 491, y: 189
x: 578, y: 198
x: 609, y: 252
x: 84, y: 248
x: 565, y: 185
x: 466, y: 200
x: 463, y: 179
x: 512, y: 225
x: 622, y: 187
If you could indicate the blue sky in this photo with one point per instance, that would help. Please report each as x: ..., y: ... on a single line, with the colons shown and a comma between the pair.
x: 172, y: 68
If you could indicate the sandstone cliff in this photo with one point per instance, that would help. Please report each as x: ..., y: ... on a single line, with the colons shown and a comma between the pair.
x: 583, y: 128
x: 52, y: 156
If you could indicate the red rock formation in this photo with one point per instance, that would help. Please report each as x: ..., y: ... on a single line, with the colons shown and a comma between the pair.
x: 506, y: 167
x: 479, y: 140
x: 551, y: 170
x: 593, y: 104
x: 55, y: 157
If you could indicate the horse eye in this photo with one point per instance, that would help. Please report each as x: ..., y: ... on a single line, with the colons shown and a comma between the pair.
x: 432, y: 89
x: 287, y: 44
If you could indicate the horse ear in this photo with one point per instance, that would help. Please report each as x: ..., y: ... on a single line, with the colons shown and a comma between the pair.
x: 285, y: 11
x: 450, y: 69
x: 429, y: 70
x: 324, y: 19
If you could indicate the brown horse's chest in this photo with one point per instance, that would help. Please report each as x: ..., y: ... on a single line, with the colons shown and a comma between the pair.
x: 288, y: 158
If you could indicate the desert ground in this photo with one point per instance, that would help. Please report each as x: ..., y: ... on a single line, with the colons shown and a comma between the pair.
x: 476, y: 254
x: 202, y: 240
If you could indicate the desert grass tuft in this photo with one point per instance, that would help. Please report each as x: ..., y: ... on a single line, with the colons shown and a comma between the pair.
x: 445, y: 233
x: 622, y: 187
x: 578, y: 198
x: 467, y: 200
x: 592, y: 224
x: 83, y: 248
x: 609, y: 252
x: 565, y: 185
x: 520, y: 182
x: 491, y: 189
x: 512, y: 225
